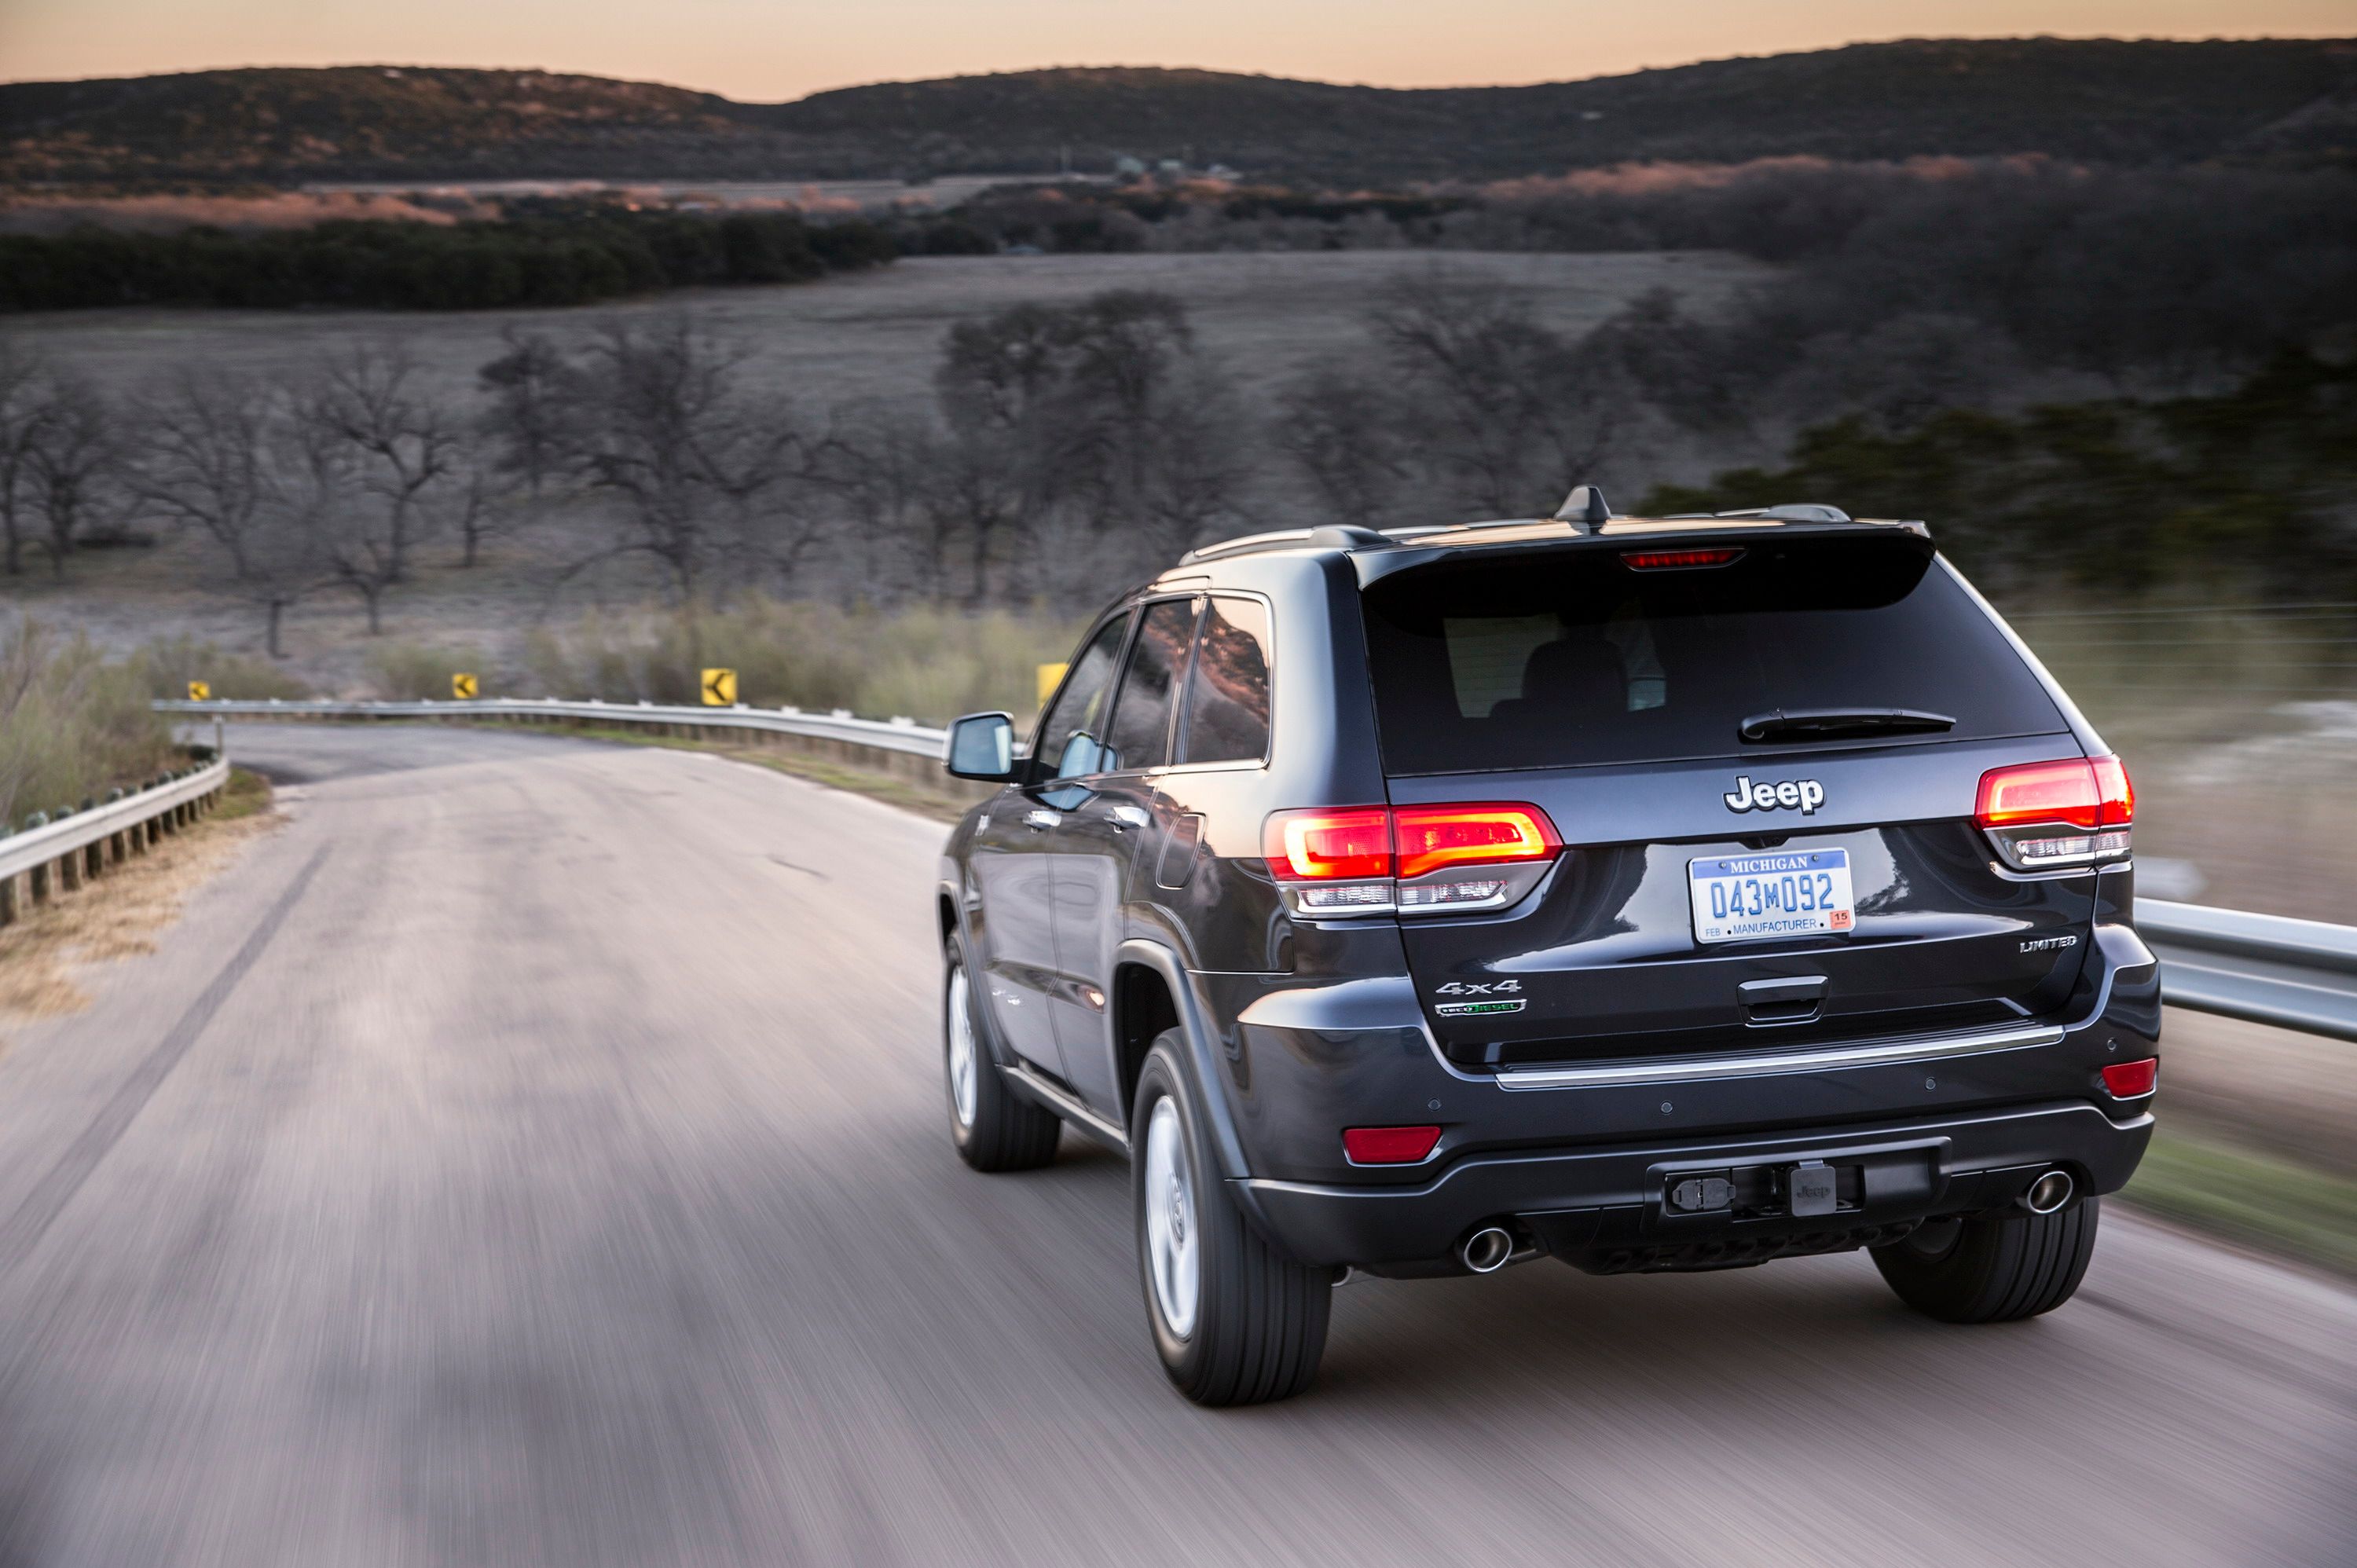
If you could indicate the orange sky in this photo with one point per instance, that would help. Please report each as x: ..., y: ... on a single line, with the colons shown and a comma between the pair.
x: 769, y: 50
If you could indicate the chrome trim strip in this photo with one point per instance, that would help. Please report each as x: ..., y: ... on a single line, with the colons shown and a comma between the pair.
x: 1068, y: 1107
x: 1689, y: 1070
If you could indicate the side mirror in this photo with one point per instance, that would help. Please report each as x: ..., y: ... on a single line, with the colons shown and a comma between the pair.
x: 981, y: 746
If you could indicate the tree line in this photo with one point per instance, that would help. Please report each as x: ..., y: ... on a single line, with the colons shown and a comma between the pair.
x: 1066, y: 449
x: 558, y: 253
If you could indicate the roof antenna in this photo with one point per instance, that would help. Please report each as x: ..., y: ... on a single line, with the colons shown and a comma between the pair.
x: 1585, y: 504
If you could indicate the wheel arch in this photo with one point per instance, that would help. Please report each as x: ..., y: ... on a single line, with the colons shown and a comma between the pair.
x: 1136, y: 963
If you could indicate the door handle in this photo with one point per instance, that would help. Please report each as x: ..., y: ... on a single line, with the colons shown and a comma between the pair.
x: 1039, y: 820
x: 1125, y: 817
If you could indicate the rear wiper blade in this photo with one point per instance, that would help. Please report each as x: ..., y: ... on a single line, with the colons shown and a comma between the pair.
x: 1834, y: 724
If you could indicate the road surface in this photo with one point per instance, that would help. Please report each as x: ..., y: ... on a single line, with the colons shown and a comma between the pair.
x: 533, y: 1154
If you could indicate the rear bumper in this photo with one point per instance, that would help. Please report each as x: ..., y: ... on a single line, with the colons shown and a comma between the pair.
x: 1607, y: 1209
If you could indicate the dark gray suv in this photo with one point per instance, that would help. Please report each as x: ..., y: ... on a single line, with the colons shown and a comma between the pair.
x: 1649, y: 894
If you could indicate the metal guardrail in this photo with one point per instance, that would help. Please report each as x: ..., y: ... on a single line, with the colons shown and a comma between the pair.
x: 2268, y: 968
x: 64, y: 853
x: 2297, y: 974
x: 888, y: 735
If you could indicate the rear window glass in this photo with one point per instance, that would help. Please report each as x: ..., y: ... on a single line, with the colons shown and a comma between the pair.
x: 1572, y: 658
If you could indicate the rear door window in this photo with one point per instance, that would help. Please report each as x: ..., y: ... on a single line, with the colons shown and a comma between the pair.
x: 1570, y: 657
x: 1140, y: 735
x: 1227, y: 689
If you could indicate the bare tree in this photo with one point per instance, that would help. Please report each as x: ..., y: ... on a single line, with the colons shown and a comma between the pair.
x: 1341, y: 429
x: 21, y: 408
x: 70, y: 466
x: 207, y: 457
x: 529, y: 398
x: 368, y: 399
x: 709, y: 471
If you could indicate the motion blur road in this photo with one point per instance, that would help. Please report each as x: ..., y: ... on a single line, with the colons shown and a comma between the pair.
x: 533, y: 1154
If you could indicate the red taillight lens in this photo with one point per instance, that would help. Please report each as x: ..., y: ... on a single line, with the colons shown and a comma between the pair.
x: 1371, y: 842
x: 2085, y: 794
x: 1388, y: 1145
x: 2131, y: 1081
x: 2114, y: 794
x: 1430, y: 837
x: 1675, y: 560
x: 1328, y: 846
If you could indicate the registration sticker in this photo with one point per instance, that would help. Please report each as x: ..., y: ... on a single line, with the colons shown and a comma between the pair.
x: 1798, y: 893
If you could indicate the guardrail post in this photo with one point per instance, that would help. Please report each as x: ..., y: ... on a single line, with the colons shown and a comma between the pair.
x: 93, y: 859
x: 7, y: 900
x: 39, y: 878
x: 69, y: 871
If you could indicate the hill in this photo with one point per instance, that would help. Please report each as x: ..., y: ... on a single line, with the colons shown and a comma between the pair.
x: 2089, y: 100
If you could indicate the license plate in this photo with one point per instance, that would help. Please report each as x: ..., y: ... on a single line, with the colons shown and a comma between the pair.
x: 1742, y: 897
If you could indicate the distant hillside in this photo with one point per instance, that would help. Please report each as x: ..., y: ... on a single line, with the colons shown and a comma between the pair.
x: 2104, y: 101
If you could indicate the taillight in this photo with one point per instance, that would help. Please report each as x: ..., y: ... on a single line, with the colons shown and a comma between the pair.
x: 1328, y: 846
x: 1373, y: 859
x: 1388, y: 1145
x: 1676, y: 560
x: 1430, y: 837
x: 2131, y: 1081
x: 2030, y: 811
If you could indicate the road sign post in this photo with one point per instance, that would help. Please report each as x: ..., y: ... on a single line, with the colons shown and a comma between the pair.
x: 720, y: 687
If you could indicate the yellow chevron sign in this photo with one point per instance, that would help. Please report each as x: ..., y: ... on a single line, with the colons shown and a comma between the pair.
x: 462, y: 686
x: 720, y: 687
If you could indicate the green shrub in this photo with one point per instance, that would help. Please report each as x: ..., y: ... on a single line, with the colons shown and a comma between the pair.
x: 73, y: 724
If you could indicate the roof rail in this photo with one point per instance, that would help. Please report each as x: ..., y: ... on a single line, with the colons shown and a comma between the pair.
x: 1331, y: 536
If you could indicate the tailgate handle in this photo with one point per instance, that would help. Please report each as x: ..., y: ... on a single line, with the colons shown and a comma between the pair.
x: 1792, y: 1000
x: 1796, y: 988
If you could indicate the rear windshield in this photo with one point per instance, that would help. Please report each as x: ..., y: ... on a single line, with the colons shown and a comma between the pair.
x: 1573, y: 657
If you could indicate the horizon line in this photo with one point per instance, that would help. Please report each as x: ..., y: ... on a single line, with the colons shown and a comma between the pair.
x: 1211, y: 71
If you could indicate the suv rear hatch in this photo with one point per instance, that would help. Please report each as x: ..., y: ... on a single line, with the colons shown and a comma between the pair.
x: 1793, y: 722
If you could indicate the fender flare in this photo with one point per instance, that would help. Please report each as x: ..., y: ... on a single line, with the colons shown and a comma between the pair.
x: 1200, y: 1060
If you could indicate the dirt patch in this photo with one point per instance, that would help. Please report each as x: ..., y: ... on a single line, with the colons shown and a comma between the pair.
x: 120, y: 914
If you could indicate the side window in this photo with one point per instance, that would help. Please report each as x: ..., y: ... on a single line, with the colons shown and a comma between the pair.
x: 1227, y: 693
x: 1071, y: 733
x: 1140, y: 736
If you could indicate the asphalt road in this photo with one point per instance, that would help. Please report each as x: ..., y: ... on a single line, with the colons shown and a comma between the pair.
x: 533, y: 1155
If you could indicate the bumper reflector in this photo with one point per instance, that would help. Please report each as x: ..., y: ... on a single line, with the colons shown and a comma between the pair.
x: 1388, y: 1145
x: 2131, y: 1081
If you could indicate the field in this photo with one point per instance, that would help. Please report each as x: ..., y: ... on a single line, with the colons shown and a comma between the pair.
x: 876, y: 335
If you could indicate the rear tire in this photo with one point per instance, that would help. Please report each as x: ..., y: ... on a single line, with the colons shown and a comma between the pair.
x: 1234, y: 1321
x: 995, y: 1129
x: 1994, y: 1268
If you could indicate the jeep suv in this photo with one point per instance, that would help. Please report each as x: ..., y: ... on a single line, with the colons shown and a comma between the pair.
x: 1649, y: 894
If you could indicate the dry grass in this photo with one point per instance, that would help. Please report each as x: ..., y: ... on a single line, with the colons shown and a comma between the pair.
x: 120, y: 914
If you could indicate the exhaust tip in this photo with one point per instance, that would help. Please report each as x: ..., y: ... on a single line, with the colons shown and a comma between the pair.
x: 1487, y: 1249
x: 2049, y: 1192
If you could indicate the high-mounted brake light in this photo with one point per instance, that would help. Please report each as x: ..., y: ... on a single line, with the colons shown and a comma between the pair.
x: 1373, y: 859
x: 1677, y: 560
x: 2027, y: 810
x: 1388, y: 1145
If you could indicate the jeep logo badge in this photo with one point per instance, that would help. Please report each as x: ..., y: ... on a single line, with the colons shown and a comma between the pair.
x: 1806, y: 794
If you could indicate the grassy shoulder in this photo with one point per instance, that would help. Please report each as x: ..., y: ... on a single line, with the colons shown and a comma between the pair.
x: 2263, y: 1200
x: 120, y: 913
